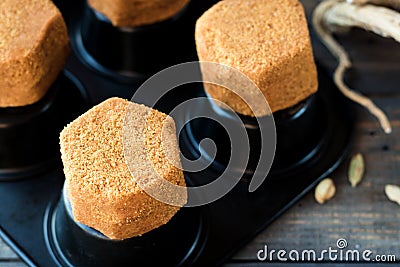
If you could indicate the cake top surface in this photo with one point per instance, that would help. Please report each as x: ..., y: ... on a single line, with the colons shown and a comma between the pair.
x: 95, y: 157
x: 23, y: 24
x: 133, y: 13
x: 252, y: 34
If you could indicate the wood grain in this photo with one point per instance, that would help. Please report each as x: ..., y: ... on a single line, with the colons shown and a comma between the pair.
x: 362, y: 215
x: 6, y: 254
x: 8, y: 258
x: 12, y: 264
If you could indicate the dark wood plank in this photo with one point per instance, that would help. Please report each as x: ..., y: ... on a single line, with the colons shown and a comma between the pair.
x: 8, y: 258
x: 362, y: 215
x: 376, y: 61
x: 12, y: 264
x: 275, y: 264
x: 6, y: 253
x: 374, y: 58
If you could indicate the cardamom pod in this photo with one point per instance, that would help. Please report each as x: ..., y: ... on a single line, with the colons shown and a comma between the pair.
x: 325, y: 190
x: 356, y: 169
x: 393, y: 193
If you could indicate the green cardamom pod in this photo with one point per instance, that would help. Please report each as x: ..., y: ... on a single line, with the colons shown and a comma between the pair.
x: 356, y: 169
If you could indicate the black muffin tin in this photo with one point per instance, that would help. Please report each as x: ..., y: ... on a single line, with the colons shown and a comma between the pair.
x: 35, y: 219
x: 28, y: 135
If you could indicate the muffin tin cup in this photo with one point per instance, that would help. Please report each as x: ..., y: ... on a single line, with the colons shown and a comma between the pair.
x: 29, y: 135
x: 299, y: 132
x: 75, y: 244
x: 134, y: 53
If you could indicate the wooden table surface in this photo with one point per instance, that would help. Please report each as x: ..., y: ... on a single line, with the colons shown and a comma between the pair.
x: 362, y: 215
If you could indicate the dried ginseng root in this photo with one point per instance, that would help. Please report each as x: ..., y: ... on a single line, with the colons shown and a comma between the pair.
x: 356, y: 169
x: 389, y: 3
x: 325, y: 190
x: 337, y: 16
x: 393, y: 193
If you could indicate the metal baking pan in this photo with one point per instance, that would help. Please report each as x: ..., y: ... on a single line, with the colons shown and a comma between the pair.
x: 36, y: 222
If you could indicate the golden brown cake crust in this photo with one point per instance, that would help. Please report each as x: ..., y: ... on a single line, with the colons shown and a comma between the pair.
x: 34, y: 47
x: 268, y: 41
x: 101, y: 189
x: 130, y: 13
